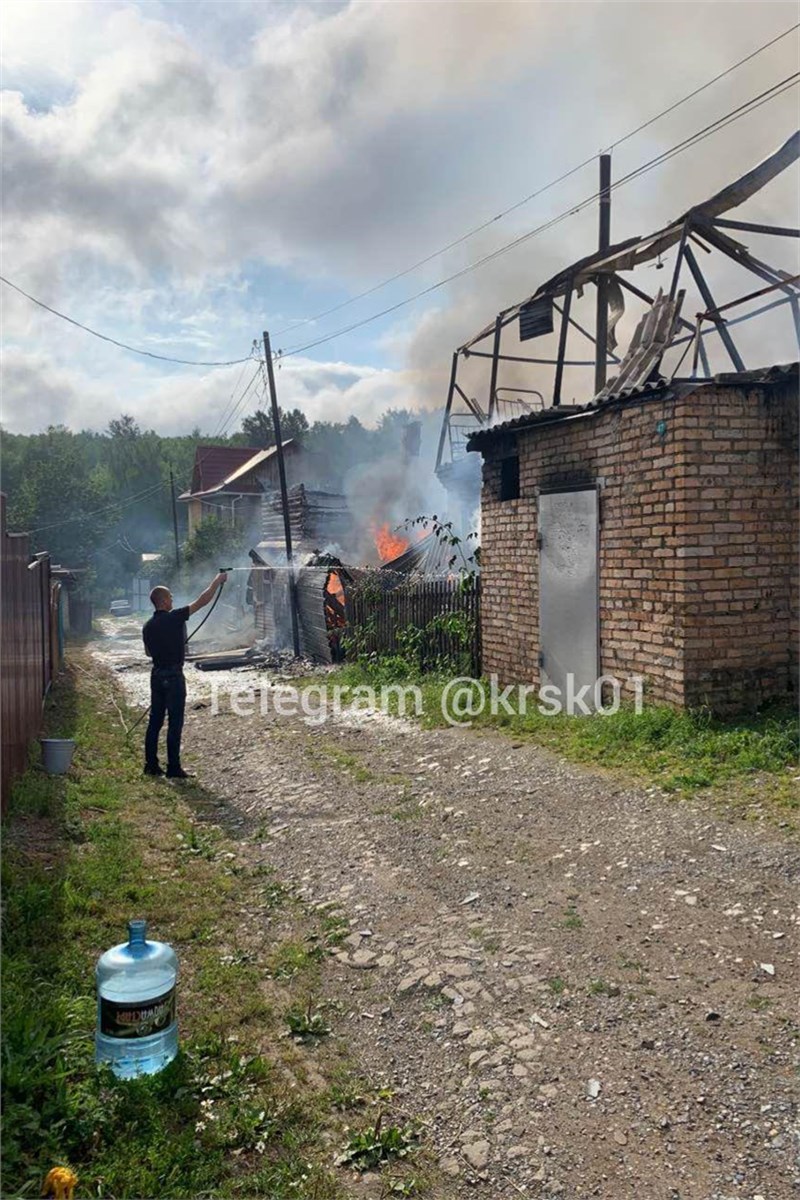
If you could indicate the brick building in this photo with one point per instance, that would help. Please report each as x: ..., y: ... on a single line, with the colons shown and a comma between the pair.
x: 653, y: 533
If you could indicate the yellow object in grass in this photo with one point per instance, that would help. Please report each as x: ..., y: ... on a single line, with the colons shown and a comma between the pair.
x: 59, y: 1183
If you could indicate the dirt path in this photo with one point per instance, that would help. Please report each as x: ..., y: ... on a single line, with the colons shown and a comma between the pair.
x: 583, y: 989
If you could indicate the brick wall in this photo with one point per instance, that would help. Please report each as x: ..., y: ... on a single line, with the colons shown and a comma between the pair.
x: 698, y: 542
x: 740, y: 551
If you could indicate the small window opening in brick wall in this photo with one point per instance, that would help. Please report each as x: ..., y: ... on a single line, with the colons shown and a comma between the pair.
x: 509, y: 477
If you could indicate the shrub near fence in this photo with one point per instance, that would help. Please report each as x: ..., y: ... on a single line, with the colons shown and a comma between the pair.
x: 434, y: 622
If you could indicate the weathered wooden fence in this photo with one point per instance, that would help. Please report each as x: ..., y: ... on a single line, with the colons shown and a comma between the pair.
x: 29, y: 645
x: 437, y: 620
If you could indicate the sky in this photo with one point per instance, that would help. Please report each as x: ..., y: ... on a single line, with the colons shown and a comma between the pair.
x: 181, y: 176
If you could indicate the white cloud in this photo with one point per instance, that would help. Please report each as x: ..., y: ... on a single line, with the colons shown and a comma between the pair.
x: 165, y: 161
x: 44, y: 394
x: 163, y: 157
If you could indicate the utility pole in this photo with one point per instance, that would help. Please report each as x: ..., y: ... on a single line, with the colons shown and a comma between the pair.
x: 175, y: 519
x: 287, y: 527
x: 604, y: 241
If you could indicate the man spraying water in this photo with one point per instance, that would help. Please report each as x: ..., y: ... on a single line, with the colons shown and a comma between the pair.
x: 165, y: 642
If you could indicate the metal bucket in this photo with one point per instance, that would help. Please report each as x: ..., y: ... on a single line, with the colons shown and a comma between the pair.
x: 57, y: 754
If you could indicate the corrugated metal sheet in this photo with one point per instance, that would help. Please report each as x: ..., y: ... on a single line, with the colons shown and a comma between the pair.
x: 776, y: 374
x: 547, y: 416
x: 779, y: 373
x: 650, y: 340
x: 272, y: 614
x: 429, y: 556
x: 314, y: 642
x: 553, y: 416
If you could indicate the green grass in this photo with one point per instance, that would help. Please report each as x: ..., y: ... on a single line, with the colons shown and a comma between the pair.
x: 344, y: 760
x: 601, y: 987
x: 409, y: 808
x: 335, y: 928
x: 82, y: 853
x: 571, y: 918
x: 369, y: 1148
x: 292, y: 958
x: 306, y: 1022
x: 678, y: 751
x: 489, y: 942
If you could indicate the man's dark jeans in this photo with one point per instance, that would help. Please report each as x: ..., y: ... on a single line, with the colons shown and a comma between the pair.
x: 167, y: 697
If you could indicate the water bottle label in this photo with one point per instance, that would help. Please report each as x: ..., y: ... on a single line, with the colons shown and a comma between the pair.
x: 140, y: 1020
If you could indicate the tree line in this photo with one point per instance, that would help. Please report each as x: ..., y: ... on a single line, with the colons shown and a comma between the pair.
x: 101, y: 499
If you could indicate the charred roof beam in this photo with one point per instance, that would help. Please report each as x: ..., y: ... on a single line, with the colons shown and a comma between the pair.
x: 610, y: 356
x: 562, y: 346
x: 711, y: 306
x: 750, y: 227
x: 471, y: 404
x: 740, y: 254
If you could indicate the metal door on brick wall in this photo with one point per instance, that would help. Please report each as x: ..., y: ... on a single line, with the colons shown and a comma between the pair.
x: 568, y: 617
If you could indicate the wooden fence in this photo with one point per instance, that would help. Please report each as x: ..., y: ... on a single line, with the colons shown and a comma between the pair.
x: 435, y: 620
x: 30, y: 645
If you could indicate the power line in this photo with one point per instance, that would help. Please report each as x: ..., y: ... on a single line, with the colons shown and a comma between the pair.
x: 184, y: 362
x: 415, y: 266
x: 539, y: 191
x: 727, y: 119
x: 220, y: 431
x: 234, y: 391
x: 151, y: 490
x: 221, y: 428
x: 148, y: 491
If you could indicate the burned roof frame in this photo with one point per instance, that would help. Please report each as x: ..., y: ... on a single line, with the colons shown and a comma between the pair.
x: 700, y: 227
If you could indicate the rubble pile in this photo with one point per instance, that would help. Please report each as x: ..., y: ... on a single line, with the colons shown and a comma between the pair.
x: 268, y: 658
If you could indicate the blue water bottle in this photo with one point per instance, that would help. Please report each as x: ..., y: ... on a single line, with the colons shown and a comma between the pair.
x: 137, y: 1028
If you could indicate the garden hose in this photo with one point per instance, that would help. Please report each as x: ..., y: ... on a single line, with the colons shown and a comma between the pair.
x: 189, y: 637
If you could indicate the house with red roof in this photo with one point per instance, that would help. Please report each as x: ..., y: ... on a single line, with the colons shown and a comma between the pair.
x: 230, y: 481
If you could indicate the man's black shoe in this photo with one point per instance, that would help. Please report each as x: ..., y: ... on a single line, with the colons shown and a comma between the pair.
x: 156, y: 770
x: 179, y: 774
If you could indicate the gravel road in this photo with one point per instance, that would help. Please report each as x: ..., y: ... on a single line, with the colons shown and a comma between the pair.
x: 582, y: 987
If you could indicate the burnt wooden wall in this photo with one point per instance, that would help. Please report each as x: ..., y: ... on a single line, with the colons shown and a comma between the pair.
x: 27, y: 649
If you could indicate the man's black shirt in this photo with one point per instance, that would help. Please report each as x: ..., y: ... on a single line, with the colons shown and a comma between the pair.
x: 165, y: 637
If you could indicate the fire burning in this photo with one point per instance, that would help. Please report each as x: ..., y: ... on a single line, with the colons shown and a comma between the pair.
x: 389, y: 543
x: 335, y: 597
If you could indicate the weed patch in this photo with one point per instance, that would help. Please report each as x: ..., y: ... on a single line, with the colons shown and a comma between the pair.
x: 306, y: 1023
x: 83, y: 853
x: 376, y: 1145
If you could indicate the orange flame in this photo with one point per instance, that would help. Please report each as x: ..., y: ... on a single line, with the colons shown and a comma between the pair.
x: 388, y: 543
x: 335, y: 590
x: 335, y: 586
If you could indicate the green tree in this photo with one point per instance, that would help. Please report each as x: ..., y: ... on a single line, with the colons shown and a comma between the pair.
x: 259, y: 430
x: 211, y: 542
x: 60, y: 498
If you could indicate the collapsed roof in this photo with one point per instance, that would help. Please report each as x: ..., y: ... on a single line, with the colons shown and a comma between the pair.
x: 634, y: 251
x: 663, y: 325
